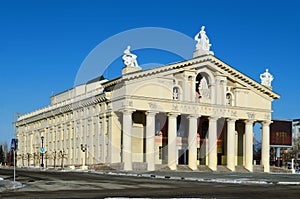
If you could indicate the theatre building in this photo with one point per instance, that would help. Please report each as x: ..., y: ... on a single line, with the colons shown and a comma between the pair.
x: 195, y: 112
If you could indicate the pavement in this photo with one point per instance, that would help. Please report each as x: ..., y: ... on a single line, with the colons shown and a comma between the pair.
x: 215, y: 177
x: 196, y: 176
x: 50, y: 183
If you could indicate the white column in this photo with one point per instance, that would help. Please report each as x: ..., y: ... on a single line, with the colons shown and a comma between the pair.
x: 192, y: 141
x: 127, y: 126
x: 265, y: 147
x: 212, y: 87
x: 236, y: 147
x: 150, y: 140
x: 185, y: 87
x: 172, y: 138
x: 75, y: 134
x: 193, y: 93
x: 212, y: 143
x: 249, y: 145
x: 218, y: 91
x: 231, y: 144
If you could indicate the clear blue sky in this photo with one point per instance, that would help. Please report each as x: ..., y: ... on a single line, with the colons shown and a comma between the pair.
x: 43, y: 43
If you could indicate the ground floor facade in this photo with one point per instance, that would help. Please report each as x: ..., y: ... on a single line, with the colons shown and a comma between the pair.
x: 131, y: 139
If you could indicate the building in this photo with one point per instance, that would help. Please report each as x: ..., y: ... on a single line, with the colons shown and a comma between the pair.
x: 296, y: 138
x: 195, y: 112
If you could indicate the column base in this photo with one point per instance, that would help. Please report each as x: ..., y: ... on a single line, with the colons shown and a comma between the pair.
x: 127, y: 166
x: 172, y: 167
x: 213, y: 168
x: 150, y: 167
x: 231, y: 168
x: 267, y: 169
x: 84, y: 167
x: 193, y: 167
x: 249, y: 168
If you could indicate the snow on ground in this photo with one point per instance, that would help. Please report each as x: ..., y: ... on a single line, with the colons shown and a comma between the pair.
x: 9, y: 185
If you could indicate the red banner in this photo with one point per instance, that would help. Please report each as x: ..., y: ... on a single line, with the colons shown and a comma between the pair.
x: 281, y: 132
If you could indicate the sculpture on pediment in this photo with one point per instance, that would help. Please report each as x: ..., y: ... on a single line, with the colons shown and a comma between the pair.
x: 129, y: 58
x: 203, y: 89
x: 266, y: 78
x: 202, y: 40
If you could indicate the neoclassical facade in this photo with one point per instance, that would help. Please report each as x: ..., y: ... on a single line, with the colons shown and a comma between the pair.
x: 195, y: 112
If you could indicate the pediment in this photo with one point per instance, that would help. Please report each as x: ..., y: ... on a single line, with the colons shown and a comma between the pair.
x: 208, y: 63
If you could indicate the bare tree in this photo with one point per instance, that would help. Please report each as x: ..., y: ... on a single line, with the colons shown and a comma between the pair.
x: 62, y: 156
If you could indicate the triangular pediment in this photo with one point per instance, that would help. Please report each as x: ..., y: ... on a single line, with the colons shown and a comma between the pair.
x: 209, y: 63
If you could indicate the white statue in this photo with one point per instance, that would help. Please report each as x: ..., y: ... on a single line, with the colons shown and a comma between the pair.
x: 129, y: 58
x: 203, y: 89
x: 203, y: 41
x: 266, y: 78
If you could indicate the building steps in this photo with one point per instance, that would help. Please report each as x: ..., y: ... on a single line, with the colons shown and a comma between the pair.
x: 241, y: 169
x: 182, y: 167
x: 101, y: 167
x: 223, y: 169
x: 258, y: 168
x: 162, y: 167
x: 279, y: 170
x: 204, y: 168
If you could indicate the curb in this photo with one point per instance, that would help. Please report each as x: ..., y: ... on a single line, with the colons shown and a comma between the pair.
x: 204, y: 180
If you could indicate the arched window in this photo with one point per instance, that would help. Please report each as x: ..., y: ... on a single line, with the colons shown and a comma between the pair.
x: 202, y: 86
x: 176, y: 93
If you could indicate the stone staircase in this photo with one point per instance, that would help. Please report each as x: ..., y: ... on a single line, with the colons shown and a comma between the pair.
x: 182, y: 167
x: 101, y: 167
x: 223, y: 169
x: 258, y: 169
x: 162, y: 167
x: 204, y: 168
x: 274, y: 169
x: 241, y: 169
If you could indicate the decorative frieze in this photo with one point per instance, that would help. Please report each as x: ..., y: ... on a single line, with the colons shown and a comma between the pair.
x: 251, y: 115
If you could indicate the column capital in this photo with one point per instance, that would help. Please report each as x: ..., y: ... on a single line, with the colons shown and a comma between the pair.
x: 213, y: 118
x: 127, y: 111
x: 193, y: 116
x: 249, y: 121
x: 151, y: 113
x: 266, y: 122
x: 173, y: 114
x: 231, y: 120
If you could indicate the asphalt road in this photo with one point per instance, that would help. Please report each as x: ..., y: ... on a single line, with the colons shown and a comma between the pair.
x: 47, y: 184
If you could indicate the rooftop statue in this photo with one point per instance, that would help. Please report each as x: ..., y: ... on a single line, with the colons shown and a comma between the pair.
x: 266, y: 78
x: 129, y: 58
x: 203, y: 41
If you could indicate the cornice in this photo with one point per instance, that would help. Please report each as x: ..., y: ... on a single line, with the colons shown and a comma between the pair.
x: 54, y: 110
